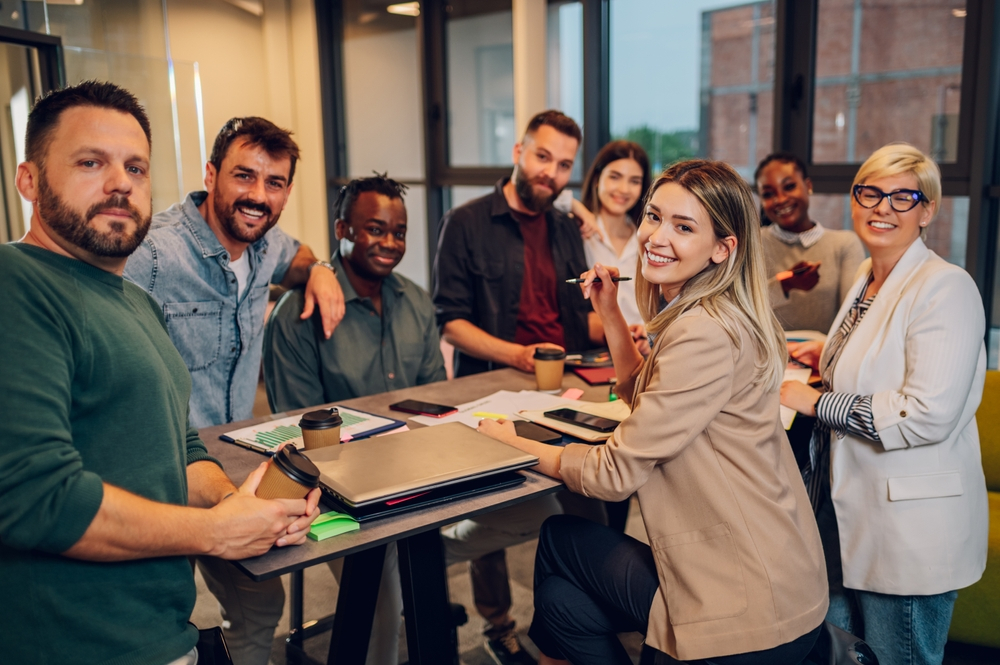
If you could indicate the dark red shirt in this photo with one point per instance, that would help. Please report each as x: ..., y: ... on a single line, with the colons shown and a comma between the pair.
x: 538, y: 311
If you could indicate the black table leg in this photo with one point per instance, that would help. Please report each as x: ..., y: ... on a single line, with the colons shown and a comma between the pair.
x: 425, y: 600
x: 352, y: 625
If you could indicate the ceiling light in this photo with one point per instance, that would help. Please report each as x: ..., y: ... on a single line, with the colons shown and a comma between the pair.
x: 958, y: 13
x: 405, y: 9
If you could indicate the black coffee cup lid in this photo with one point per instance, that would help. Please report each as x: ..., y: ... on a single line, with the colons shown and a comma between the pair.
x: 297, y: 466
x: 321, y: 419
x: 543, y: 353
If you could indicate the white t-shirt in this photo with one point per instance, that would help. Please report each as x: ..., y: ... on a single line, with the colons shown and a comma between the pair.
x: 240, y: 268
x: 599, y: 250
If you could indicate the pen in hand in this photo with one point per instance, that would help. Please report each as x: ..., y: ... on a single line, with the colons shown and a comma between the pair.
x: 597, y: 280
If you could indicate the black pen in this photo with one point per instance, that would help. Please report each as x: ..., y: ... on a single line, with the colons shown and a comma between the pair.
x: 597, y: 280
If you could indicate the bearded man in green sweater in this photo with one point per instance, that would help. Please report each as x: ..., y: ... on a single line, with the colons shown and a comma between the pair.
x: 104, y: 488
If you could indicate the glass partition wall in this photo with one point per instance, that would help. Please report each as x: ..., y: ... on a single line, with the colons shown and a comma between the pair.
x: 125, y: 42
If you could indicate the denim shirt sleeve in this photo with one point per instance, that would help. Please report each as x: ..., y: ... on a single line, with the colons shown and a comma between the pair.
x: 286, y: 247
x: 141, y: 266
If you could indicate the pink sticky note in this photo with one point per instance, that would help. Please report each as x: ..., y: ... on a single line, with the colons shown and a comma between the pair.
x: 573, y: 393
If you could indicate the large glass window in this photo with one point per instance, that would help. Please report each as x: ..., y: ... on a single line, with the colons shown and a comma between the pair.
x: 693, y: 79
x: 887, y: 70
x: 565, y: 65
x: 480, y: 83
x: 19, y: 85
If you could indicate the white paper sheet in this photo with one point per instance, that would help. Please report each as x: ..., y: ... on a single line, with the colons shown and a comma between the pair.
x: 800, y: 374
x: 505, y: 403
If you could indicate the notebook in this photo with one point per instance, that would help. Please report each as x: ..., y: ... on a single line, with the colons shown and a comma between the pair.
x: 268, y: 436
x: 396, y: 466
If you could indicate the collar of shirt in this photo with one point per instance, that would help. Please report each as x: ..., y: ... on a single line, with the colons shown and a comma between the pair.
x: 393, y: 283
x: 807, y: 238
x: 203, y: 233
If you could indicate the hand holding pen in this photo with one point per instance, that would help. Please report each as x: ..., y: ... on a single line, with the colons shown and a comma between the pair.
x: 597, y: 280
x: 600, y: 286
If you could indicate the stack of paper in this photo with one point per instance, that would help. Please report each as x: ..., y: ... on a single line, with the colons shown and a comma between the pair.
x: 501, y: 404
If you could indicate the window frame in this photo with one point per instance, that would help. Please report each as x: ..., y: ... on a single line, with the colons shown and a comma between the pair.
x: 974, y: 173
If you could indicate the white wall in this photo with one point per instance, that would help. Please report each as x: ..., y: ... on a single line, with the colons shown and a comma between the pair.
x: 266, y: 66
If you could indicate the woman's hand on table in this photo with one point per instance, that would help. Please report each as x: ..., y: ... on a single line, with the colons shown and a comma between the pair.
x: 500, y: 429
x: 800, y: 397
x: 549, y: 457
x: 807, y: 353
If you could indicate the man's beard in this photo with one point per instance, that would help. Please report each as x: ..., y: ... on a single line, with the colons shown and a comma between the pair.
x: 77, y: 229
x: 526, y: 192
x: 227, y: 217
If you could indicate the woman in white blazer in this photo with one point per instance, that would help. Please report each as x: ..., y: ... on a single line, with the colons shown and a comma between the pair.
x: 895, y: 472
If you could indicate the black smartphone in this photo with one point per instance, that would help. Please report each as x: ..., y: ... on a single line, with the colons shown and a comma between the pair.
x: 423, y: 408
x: 583, y: 419
x: 535, y: 432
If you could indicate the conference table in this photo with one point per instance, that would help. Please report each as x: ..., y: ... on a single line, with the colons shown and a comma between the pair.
x: 426, y: 607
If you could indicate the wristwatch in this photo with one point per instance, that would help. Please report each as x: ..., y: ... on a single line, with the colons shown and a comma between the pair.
x: 325, y: 264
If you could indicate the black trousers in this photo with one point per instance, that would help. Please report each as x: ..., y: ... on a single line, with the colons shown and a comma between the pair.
x: 592, y: 582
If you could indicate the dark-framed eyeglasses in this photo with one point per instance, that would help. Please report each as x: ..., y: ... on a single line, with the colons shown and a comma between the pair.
x: 900, y: 200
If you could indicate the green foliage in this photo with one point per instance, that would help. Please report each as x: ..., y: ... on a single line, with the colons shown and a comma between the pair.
x: 664, y: 148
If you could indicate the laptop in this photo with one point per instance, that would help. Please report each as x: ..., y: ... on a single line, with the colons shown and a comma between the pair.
x: 398, y: 466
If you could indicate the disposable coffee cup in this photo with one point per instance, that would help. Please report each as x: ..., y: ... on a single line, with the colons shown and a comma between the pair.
x: 549, y: 365
x: 289, y: 475
x: 321, y: 428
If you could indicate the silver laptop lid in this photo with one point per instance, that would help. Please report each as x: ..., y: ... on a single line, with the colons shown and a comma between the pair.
x: 398, y: 465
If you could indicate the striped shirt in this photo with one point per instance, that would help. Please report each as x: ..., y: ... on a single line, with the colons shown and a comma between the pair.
x: 845, y: 412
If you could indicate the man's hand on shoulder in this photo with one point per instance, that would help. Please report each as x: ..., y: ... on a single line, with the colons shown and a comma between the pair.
x: 323, y: 291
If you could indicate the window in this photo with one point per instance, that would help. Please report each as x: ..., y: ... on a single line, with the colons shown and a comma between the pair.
x: 887, y: 70
x: 693, y: 79
x: 565, y: 63
x: 480, y: 84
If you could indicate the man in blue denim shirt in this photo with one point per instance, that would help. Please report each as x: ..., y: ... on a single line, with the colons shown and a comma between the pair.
x: 209, y: 261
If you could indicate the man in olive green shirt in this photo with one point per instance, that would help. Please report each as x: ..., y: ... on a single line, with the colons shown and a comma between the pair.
x: 388, y: 338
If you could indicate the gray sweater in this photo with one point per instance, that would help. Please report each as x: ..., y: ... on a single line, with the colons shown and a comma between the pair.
x: 840, y: 252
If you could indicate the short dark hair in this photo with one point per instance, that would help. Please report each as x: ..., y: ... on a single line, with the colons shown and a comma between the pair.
x: 379, y: 183
x: 44, y: 117
x: 784, y: 158
x: 260, y: 132
x: 612, y: 152
x: 558, y: 121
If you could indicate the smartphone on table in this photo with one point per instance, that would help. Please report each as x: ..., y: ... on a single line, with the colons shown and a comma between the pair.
x: 582, y: 419
x: 423, y: 408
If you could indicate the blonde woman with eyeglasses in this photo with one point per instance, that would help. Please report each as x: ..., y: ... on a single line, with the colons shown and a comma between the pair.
x: 734, y: 573
x: 895, y: 473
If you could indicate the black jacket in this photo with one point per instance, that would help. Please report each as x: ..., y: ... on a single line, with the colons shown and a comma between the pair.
x: 479, y: 268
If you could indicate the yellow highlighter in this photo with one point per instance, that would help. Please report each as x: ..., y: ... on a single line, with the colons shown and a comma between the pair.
x: 486, y: 414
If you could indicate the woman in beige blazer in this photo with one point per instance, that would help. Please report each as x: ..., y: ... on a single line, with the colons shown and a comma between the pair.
x: 735, y: 564
x: 895, y: 471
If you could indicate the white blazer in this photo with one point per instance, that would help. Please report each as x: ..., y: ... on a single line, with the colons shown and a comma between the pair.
x: 912, y: 510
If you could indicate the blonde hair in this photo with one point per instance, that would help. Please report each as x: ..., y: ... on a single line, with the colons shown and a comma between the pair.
x: 731, y: 292
x: 902, y: 158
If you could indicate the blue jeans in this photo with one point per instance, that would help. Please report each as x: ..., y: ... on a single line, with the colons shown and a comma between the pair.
x: 902, y: 630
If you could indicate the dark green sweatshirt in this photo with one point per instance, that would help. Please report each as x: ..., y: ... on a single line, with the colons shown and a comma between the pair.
x: 91, y: 390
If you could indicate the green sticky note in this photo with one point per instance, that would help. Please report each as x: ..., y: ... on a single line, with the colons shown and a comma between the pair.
x: 332, y: 524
